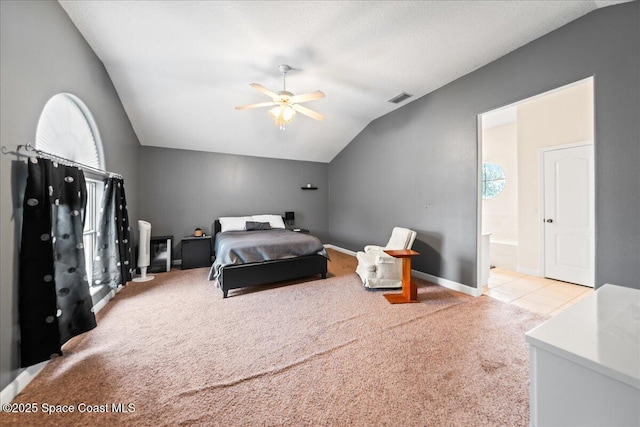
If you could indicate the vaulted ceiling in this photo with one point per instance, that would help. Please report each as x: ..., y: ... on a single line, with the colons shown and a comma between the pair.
x: 180, y: 67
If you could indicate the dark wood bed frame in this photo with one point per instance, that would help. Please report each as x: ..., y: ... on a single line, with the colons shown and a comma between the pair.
x: 262, y: 273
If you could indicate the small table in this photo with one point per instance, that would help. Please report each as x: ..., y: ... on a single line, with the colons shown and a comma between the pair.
x: 409, y: 288
x: 196, y: 252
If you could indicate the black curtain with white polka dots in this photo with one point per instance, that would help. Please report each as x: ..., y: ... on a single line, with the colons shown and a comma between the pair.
x: 54, y: 297
x: 113, y: 264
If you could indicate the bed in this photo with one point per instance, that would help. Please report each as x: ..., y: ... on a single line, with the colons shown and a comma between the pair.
x: 257, y: 250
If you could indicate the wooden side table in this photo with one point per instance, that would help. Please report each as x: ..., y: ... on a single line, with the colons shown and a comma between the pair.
x: 409, y: 288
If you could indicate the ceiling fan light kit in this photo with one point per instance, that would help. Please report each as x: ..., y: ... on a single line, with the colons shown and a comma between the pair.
x: 284, y: 114
x: 285, y: 104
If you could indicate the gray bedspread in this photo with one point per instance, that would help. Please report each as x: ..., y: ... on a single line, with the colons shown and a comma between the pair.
x: 244, y: 247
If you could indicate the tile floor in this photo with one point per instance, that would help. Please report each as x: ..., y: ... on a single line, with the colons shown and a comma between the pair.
x: 540, y: 295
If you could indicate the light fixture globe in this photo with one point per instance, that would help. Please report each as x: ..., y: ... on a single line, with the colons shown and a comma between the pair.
x: 282, y: 114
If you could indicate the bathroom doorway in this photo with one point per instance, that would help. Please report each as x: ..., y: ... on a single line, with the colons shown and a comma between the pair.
x: 522, y: 243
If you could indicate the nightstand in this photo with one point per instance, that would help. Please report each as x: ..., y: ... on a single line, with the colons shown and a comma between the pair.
x: 196, y: 252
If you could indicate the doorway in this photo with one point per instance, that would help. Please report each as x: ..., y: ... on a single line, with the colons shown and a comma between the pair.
x: 516, y: 196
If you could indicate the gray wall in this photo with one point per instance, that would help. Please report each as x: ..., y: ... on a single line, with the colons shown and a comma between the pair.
x: 426, y: 152
x: 182, y: 190
x: 42, y: 53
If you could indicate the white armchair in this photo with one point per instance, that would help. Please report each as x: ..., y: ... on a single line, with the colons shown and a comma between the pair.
x: 379, y: 270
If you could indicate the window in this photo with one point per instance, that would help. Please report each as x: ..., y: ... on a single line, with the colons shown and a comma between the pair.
x: 66, y: 128
x: 91, y: 221
x: 493, y: 180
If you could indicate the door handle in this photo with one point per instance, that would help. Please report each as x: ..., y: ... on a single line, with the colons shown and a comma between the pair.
x: 549, y: 221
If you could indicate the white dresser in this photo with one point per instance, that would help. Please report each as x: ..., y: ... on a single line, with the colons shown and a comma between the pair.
x: 585, y: 362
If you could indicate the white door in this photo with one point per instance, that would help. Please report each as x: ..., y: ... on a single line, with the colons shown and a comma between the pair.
x: 569, y: 214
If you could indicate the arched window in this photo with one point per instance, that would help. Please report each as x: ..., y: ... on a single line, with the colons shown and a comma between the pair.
x: 67, y: 129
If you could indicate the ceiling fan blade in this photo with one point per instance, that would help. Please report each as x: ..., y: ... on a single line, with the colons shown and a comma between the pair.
x: 307, y: 112
x: 303, y: 97
x: 264, y: 90
x: 258, y: 105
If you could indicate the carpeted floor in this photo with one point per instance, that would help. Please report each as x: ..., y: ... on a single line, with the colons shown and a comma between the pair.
x: 319, y: 352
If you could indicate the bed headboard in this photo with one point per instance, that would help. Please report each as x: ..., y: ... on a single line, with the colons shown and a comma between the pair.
x: 216, y: 228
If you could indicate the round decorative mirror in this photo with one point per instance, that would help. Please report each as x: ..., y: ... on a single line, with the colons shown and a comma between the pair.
x: 493, y: 180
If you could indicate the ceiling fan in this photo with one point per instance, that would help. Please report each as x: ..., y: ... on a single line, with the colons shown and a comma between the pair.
x: 286, y: 104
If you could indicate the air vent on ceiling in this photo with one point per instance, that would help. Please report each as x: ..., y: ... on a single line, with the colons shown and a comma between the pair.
x: 401, y: 97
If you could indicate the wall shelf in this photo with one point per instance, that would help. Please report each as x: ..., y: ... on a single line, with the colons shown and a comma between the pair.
x: 309, y: 188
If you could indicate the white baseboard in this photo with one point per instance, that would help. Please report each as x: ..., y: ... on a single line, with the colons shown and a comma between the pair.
x: 339, y: 249
x: 28, y: 374
x: 529, y: 271
x: 108, y: 297
x: 449, y: 284
x: 21, y: 381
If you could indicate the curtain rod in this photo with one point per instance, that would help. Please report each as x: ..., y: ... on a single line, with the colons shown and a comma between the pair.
x: 31, y: 149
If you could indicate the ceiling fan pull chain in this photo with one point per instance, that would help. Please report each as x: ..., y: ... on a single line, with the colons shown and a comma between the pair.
x: 284, y: 69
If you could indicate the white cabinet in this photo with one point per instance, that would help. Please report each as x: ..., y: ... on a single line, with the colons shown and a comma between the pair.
x: 585, y: 362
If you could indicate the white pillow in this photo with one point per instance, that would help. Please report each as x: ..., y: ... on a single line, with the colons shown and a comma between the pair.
x: 233, y: 223
x: 275, y: 221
